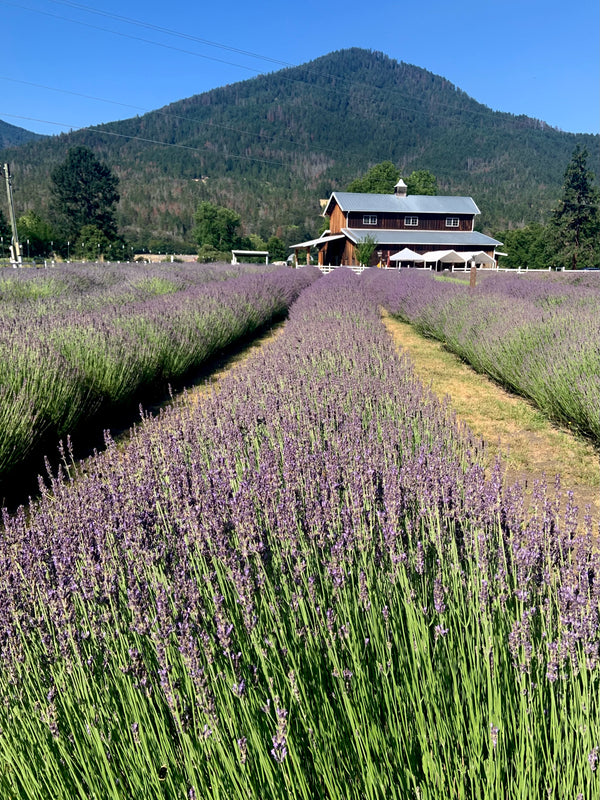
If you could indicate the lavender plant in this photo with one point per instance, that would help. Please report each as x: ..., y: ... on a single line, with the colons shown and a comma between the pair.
x: 66, y: 358
x: 305, y: 587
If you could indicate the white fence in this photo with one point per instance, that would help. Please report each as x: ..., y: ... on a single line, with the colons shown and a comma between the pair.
x: 327, y: 268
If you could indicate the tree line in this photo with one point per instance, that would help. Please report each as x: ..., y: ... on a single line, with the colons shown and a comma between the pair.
x: 217, y: 231
x: 285, y: 137
x: 82, y: 221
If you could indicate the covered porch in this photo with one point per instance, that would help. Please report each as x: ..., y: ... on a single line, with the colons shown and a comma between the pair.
x: 326, y: 254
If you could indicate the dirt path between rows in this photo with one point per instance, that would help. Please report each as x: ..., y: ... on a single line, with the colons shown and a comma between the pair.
x: 22, y: 486
x: 220, y: 367
x: 532, y: 446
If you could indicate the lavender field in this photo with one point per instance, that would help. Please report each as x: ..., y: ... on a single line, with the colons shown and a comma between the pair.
x: 304, y: 587
x: 536, y: 334
x: 76, y: 342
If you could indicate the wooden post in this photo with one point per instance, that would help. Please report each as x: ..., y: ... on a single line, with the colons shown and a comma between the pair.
x: 473, y: 277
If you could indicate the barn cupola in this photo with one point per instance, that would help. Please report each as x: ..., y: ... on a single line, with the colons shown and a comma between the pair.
x: 400, y: 189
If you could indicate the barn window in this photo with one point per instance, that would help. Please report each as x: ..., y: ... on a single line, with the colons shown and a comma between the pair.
x: 411, y: 221
x: 452, y: 222
x: 369, y: 219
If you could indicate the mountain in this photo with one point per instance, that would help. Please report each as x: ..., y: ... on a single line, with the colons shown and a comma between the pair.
x: 12, y: 136
x: 272, y: 146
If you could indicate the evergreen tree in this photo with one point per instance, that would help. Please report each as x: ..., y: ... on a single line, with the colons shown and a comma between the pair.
x: 84, y: 192
x: 525, y: 247
x: 575, y: 223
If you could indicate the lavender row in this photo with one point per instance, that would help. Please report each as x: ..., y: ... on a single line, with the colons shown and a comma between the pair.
x: 89, y: 286
x: 536, y: 335
x: 61, y: 365
x: 305, y: 587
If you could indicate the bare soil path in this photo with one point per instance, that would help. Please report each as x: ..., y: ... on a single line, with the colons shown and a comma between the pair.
x: 532, y: 446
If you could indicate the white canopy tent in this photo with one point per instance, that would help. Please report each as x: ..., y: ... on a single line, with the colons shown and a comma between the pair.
x: 407, y: 255
x: 444, y: 257
x: 478, y: 257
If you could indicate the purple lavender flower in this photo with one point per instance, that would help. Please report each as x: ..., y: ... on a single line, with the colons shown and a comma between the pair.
x: 279, y: 749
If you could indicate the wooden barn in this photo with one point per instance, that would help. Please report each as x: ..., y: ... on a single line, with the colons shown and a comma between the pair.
x: 423, y: 225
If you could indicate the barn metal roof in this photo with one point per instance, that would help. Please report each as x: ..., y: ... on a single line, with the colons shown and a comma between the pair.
x: 411, y: 204
x: 442, y: 239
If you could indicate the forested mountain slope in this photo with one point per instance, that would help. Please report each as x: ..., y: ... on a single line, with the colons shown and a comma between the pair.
x: 11, y: 135
x: 270, y: 147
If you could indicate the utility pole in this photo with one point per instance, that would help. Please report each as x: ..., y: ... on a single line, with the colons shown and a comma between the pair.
x: 15, y: 249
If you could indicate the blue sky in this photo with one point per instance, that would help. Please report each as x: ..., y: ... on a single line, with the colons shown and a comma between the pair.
x: 522, y: 56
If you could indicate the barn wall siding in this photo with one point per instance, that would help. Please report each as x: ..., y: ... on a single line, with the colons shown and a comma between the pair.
x: 427, y: 222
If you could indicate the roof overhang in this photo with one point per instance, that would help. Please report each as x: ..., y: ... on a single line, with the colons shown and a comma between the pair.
x: 317, y: 242
x: 437, y: 240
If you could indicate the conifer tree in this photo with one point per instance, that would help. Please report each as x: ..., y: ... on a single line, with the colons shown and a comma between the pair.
x: 84, y: 193
x: 575, y: 223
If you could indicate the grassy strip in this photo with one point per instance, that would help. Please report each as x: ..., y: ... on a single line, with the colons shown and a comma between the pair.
x: 532, y: 447
x: 535, y: 335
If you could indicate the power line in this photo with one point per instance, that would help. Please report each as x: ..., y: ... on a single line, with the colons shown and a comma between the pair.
x: 128, y: 36
x: 161, y: 29
x: 260, y: 56
x: 168, y: 114
x: 265, y: 137
x: 96, y: 129
x: 189, y: 37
